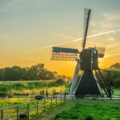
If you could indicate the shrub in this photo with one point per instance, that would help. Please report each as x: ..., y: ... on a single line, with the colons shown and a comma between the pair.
x: 116, y: 82
x: 60, y: 82
x: 89, y: 117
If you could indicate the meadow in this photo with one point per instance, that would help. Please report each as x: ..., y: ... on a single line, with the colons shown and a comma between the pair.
x: 23, y: 92
x: 27, y: 87
x: 88, y: 110
x: 18, y: 92
x: 34, y: 109
x: 116, y: 91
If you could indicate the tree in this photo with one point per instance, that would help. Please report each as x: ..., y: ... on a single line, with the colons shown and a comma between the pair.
x: 115, y: 66
x: 35, y: 72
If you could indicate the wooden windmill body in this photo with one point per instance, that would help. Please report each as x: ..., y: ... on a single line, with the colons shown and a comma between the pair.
x: 91, y: 81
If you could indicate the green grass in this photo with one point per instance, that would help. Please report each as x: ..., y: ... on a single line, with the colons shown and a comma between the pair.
x: 32, y: 107
x: 9, y: 88
x: 116, y: 91
x: 82, y: 109
x: 4, y: 102
x: 12, y: 101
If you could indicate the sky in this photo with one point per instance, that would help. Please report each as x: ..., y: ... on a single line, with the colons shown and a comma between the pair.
x: 29, y: 29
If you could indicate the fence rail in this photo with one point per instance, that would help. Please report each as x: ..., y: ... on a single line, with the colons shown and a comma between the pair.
x: 33, y: 109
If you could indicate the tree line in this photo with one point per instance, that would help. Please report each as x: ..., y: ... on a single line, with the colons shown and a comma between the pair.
x: 115, y: 74
x: 35, y: 72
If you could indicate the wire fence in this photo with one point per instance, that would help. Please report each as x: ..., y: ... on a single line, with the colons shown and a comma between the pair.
x: 32, y: 110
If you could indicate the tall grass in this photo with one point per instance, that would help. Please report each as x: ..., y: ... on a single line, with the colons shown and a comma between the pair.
x: 27, y: 87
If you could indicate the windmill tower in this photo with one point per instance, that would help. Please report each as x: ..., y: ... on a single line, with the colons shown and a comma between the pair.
x: 91, y: 81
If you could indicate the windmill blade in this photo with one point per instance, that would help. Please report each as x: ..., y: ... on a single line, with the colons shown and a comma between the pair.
x: 87, y: 13
x: 64, y: 54
x: 101, y: 51
x: 75, y: 79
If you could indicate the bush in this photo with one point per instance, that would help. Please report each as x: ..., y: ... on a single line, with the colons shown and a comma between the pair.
x: 60, y: 82
x: 116, y: 82
x: 56, y: 83
x: 114, y: 77
x: 89, y: 117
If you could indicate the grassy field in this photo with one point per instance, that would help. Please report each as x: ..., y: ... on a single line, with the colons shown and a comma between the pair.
x: 12, y: 101
x: 72, y: 110
x: 21, y: 99
x: 33, y: 105
x: 116, y: 91
x: 88, y: 110
x: 24, y: 91
x: 10, y: 88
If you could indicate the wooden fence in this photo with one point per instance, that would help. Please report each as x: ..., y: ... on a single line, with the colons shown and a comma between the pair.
x: 31, y: 110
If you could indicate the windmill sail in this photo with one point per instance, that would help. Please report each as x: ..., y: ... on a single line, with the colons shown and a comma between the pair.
x: 64, y: 54
x: 87, y: 13
x: 75, y: 79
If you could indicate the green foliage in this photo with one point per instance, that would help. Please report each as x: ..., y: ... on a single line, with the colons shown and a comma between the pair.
x: 116, y: 82
x: 115, y: 66
x: 60, y: 82
x: 114, y: 77
x: 9, y: 88
x: 116, y: 91
x: 56, y: 83
x: 35, y: 72
x: 37, y: 84
x: 89, y: 117
x: 20, y: 85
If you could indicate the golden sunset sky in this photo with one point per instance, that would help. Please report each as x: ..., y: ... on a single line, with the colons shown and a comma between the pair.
x: 29, y: 29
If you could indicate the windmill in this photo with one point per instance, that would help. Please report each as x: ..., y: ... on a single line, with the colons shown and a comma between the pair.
x: 91, y: 82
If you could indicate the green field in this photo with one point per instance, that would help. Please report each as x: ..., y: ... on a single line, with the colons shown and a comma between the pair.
x: 21, y: 92
x: 116, y: 91
x: 24, y: 91
x: 36, y: 108
x: 27, y: 89
x: 88, y: 110
x: 11, y: 88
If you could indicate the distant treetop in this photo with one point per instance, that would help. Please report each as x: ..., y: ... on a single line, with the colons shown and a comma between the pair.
x: 115, y: 66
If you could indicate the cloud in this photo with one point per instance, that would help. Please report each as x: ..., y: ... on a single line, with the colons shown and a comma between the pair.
x: 13, y: 5
x: 10, y: 5
x: 113, y: 45
x: 106, y: 21
x: 111, y: 39
x: 111, y: 17
x: 72, y: 41
x: 16, y: 57
x: 112, y: 55
x: 61, y: 35
x: 20, y: 3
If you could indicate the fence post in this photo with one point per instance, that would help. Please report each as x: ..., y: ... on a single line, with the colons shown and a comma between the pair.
x: 28, y: 108
x: 37, y: 108
x: 17, y: 112
x: 44, y: 104
x: 65, y: 96
x: 56, y: 100
x: 61, y: 97
x: 1, y: 114
x: 51, y: 102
